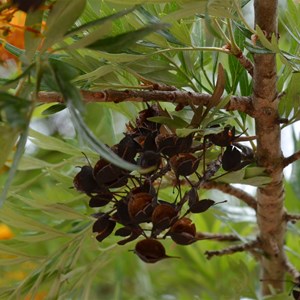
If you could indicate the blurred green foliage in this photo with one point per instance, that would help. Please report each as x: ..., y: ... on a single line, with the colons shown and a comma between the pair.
x: 115, y: 44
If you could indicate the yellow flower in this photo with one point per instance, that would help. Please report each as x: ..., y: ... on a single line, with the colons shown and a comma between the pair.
x: 5, y: 232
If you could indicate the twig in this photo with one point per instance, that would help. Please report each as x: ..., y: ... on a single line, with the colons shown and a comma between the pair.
x: 290, y: 159
x: 292, y: 217
x: 245, y: 62
x: 217, y: 237
x: 233, y: 249
x: 231, y: 190
x: 290, y: 268
x: 242, y: 104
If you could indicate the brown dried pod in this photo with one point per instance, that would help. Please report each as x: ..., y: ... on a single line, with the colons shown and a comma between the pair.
x: 231, y: 159
x: 201, y: 206
x: 171, y: 144
x: 143, y: 124
x: 131, y: 232
x: 183, y: 232
x: 104, y: 226
x: 140, y: 207
x: 105, y: 172
x: 150, y: 159
x: 184, y: 164
x: 224, y: 138
x: 128, y: 148
x: 101, y: 199
x: 28, y: 5
x: 121, y: 215
x: 162, y: 217
x: 85, y: 182
x: 150, y: 251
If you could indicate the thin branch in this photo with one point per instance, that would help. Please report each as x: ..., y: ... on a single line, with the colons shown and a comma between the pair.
x: 290, y: 159
x: 233, y: 249
x: 242, y: 104
x: 217, y: 237
x: 245, y: 62
x: 292, y: 217
x: 291, y: 269
x: 231, y: 190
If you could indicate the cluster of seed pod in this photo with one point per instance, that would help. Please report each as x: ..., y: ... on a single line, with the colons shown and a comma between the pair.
x: 132, y: 200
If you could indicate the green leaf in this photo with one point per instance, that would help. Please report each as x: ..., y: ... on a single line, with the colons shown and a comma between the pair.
x: 122, y: 42
x: 8, y: 81
x: 15, y: 109
x: 8, y: 138
x: 173, y: 122
x: 52, y: 144
x: 63, y: 74
x: 62, y: 16
x: 54, y: 109
x: 12, y: 49
x: 265, y: 42
x: 97, y: 145
x: 33, y: 39
x: 16, y: 159
x: 101, y: 21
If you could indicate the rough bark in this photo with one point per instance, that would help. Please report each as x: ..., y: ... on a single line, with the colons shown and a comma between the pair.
x: 242, y: 104
x: 270, y: 210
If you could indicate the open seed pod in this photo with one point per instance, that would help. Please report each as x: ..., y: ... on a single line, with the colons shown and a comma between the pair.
x: 224, y: 138
x: 101, y: 199
x: 130, y: 232
x: 183, y: 232
x: 150, y: 251
x: 184, y: 164
x: 162, y: 217
x: 150, y: 159
x: 140, y: 207
x: 104, y: 226
x: 171, y: 144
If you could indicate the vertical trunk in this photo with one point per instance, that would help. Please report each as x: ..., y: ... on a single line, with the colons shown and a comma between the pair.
x: 270, y: 198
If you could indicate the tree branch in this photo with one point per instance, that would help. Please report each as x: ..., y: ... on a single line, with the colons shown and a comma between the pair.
x: 290, y: 159
x: 231, y: 190
x: 290, y: 268
x: 291, y: 217
x: 233, y: 249
x: 242, y: 104
x: 217, y: 237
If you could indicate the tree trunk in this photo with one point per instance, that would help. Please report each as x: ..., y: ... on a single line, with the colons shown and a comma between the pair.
x: 270, y: 210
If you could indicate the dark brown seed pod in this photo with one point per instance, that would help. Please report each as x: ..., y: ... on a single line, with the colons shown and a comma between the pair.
x: 201, y: 206
x: 121, y: 215
x: 140, y: 207
x: 101, y: 199
x: 184, y: 164
x: 224, y: 138
x: 183, y: 232
x: 296, y: 294
x: 131, y: 232
x: 128, y: 148
x: 231, y: 159
x: 85, y: 182
x: 150, y: 251
x: 150, y: 159
x: 28, y: 5
x: 104, y: 226
x: 106, y: 173
x: 142, y: 122
x: 162, y: 217
x: 171, y: 144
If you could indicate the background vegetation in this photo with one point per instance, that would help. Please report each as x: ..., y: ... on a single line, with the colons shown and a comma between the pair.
x: 48, y: 250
